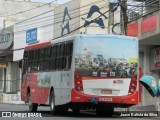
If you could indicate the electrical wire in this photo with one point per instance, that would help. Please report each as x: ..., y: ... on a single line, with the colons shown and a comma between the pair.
x: 102, y: 7
x: 100, y: 1
x: 29, y: 9
x: 52, y: 20
x: 61, y: 35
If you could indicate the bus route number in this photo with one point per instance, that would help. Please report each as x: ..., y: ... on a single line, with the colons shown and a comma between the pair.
x: 105, y: 99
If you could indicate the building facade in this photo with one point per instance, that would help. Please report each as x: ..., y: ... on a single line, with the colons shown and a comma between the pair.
x: 147, y: 29
x: 12, y: 30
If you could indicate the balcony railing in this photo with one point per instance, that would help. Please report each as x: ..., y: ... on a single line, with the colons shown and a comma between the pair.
x: 9, y: 86
x: 140, y: 9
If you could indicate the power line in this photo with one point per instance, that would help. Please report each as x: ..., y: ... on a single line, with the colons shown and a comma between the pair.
x: 102, y: 7
x: 62, y: 12
x: 29, y: 9
x: 144, y: 5
x: 61, y: 35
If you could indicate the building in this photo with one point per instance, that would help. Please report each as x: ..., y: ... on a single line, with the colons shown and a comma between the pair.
x: 147, y: 29
x: 10, y: 71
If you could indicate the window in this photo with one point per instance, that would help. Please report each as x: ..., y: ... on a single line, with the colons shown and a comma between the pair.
x: 56, y: 57
x: 69, y: 50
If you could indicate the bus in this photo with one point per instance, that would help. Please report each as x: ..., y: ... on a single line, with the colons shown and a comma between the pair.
x: 52, y: 76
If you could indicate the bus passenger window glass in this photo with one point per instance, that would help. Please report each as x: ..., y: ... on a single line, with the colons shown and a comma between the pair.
x: 53, y: 64
x: 38, y: 54
x: 26, y: 54
x: 45, y: 54
x: 35, y: 66
x: 41, y: 53
x: 33, y: 55
x: 70, y: 48
x: 64, y: 62
x: 40, y: 65
x: 53, y: 51
x: 57, y: 50
x: 60, y: 62
x: 49, y: 52
x: 56, y: 63
x: 69, y: 61
x: 29, y: 58
x: 49, y: 64
x: 62, y: 50
x: 44, y: 65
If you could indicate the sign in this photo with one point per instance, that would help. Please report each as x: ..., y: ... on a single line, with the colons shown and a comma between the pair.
x: 6, y: 38
x: 31, y: 36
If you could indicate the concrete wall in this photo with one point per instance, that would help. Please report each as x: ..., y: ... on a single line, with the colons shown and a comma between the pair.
x: 44, y: 25
x: 7, y: 8
x: 81, y: 16
x: 12, y: 98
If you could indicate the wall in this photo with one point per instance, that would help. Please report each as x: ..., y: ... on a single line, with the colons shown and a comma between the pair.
x: 7, y: 8
x: 94, y: 17
x: 44, y: 25
x: 66, y: 18
x: 81, y: 16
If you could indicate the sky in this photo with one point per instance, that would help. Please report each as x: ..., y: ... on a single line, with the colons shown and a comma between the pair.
x: 48, y: 1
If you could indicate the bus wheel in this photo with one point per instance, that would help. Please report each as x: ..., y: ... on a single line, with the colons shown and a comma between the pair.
x: 76, y: 111
x: 32, y: 106
x: 104, y: 110
x: 52, y: 103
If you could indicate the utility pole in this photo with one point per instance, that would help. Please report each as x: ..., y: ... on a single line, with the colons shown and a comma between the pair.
x: 124, y: 18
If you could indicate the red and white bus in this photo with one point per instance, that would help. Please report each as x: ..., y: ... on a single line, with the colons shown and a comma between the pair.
x: 81, y: 72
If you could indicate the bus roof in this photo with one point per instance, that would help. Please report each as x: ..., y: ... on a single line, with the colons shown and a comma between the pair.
x: 38, y: 45
x: 91, y: 35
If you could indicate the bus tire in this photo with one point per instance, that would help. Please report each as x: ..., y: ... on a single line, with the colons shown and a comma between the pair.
x: 104, y: 110
x: 76, y: 111
x: 32, y: 106
x: 52, y: 103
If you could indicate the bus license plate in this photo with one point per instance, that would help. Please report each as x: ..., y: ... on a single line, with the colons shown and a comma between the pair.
x: 106, y: 91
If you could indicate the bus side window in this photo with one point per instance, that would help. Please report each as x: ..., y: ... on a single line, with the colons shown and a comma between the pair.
x: 30, y: 63
x: 25, y: 62
x: 53, y: 51
x: 53, y: 58
x: 45, y: 54
x: 69, y: 49
x: 25, y: 55
x: 61, y: 55
x: 38, y: 59
x: 57, y: 51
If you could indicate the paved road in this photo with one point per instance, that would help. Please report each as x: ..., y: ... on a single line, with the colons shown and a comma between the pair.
x: 44, y: 111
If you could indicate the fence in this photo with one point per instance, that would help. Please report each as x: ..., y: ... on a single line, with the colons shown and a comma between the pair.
x: 9, y: 86
x: 140, y: 9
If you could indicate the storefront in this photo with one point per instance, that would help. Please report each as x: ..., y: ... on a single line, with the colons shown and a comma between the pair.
x: 6, y: 44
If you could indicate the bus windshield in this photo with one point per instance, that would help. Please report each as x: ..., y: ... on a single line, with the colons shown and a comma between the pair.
x: 106, y: 57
